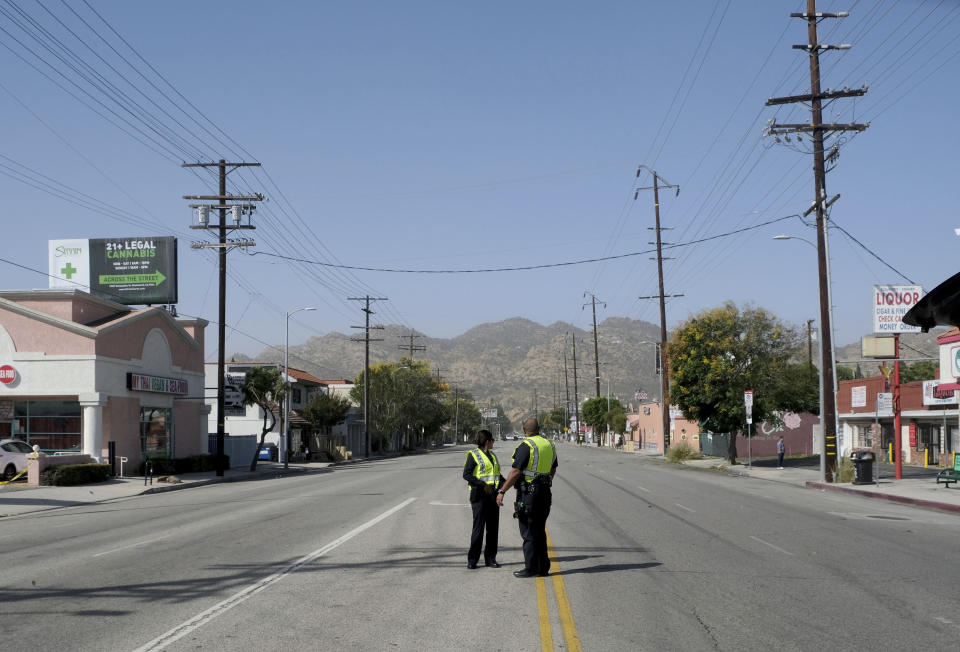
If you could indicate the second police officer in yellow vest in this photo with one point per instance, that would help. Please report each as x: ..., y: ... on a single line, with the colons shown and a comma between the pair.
x: 534, y: 465
x: 482, y: 472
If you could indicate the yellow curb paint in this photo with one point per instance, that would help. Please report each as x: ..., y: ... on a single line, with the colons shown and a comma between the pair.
x: 546, y: 636
x: 563, y: 603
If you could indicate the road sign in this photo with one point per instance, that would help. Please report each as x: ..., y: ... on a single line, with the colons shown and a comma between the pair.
x: 748, y: 404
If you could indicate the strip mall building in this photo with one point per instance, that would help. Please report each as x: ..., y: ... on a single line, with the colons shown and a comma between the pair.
x: 78, y: 372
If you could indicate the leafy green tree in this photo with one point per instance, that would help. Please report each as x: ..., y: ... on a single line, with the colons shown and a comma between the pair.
x: 845, y: 373
x: 920, y: 370
x: 264, y: 387
x: 325, y: 411
x: 593, y: 412
x: 616, y: 416
x: 463, y: 414
x: 719, y: 353
x: 553, y: 421
x: 798, y: 389
x: 406, y: 401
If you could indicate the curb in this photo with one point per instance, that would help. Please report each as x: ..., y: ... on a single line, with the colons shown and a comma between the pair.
x: 903, y: 500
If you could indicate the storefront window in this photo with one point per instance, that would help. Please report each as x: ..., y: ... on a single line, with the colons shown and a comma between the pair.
x: 156, y: 431
x: 52, y: 425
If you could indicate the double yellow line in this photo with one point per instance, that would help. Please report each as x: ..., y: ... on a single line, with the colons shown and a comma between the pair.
x: 563, y: 607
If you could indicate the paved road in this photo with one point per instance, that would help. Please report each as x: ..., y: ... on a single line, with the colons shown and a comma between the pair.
x: 372, y: 557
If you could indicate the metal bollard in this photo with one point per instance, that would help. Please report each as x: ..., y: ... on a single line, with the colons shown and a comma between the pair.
x: 147, y: 472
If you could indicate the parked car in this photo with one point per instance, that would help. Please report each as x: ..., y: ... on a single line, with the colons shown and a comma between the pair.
x: 13, y: 457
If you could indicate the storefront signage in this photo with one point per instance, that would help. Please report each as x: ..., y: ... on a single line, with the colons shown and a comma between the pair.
x: 858, y: 396
x: 913, y: 435
x: 933, y: 395
x: 131, y: 271
x: 143, y: 383
x: 955, y: 361
x: 7, y: 374
x: 890, y: 304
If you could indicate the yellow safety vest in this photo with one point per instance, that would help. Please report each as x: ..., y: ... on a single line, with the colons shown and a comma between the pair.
x: 542, y: 455
x: 487, y: 469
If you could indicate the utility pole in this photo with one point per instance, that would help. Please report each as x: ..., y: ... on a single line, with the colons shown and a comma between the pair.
x: 366, y: 366
x: 566, y: 383
x: 576, y: 398
x: 411, y: 347
x: 810, y: 346
x: 817, y: 128
x: 664, y: 380
x: 237, y: 211
x: 596, y: 350
x: 437, y: 371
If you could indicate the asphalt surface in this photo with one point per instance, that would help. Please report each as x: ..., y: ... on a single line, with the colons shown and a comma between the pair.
x: 647, y: 556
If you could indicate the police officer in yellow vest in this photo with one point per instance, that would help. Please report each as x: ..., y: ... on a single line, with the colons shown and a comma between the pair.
x: 534, y: 465
x: 482, y: 472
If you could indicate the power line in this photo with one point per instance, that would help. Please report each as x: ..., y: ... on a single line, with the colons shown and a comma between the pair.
x: 393, y: 270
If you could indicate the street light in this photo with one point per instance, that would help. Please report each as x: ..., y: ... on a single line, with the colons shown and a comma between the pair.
x: 285, y: 443
x: 823, y: 441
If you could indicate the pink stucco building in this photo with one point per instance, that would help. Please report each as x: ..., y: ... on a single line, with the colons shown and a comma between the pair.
x: 78, y: 371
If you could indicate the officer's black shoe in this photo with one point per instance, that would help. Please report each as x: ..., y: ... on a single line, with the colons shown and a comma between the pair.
x: 471, y: 564
x: 522, y: 573
x: 492, y: 563
x: 543, y: 574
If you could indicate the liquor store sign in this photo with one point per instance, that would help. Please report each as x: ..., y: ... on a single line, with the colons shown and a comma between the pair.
x: 131, y: 271
x: 158, y: 384
x: 890, y: 304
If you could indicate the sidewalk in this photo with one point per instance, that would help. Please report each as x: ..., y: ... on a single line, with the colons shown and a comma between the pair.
x: 20, y: 498
x: 921, y: 492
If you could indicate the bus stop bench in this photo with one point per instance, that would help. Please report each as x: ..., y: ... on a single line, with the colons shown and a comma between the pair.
x: 950, y: 475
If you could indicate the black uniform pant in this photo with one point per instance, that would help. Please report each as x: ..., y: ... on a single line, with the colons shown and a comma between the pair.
x: 486, y: 514
x: 533, y: 531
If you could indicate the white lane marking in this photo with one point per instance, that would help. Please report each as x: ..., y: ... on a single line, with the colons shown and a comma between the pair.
x: 643, y: 489
x: 686, y: 508
x: 204, y: 617
x: 132, y: 545
x: 767, y: 543
x: 618, y: 477
x: 443, y: 504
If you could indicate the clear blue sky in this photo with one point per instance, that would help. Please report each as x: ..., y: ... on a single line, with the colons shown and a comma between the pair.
x: 454, y: 135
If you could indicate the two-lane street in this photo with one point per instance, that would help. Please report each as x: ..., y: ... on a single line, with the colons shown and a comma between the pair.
x: 373, y: 556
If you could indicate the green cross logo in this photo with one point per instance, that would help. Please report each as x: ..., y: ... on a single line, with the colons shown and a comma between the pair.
x: 68, y: 271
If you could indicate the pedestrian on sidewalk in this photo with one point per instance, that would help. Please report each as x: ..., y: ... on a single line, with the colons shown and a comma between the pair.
x: 482, y: 473
x: 781, y: 449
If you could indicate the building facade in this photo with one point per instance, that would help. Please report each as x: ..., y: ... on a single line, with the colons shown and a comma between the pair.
x: 78, y: 372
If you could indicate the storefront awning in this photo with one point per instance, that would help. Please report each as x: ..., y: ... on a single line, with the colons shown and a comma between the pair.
x: 940, y: 307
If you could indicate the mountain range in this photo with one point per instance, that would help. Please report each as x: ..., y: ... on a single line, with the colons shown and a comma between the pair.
x: 517, y: 362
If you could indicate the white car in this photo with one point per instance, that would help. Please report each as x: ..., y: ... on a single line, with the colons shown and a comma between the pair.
x: 13, y: 457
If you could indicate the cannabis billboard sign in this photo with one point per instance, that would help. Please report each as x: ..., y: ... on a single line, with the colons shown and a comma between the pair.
x: 132, y: 271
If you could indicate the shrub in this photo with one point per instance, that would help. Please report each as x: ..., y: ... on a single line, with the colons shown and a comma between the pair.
x: 73, y: 474
x: 680, y: 452
x: 844, y: 469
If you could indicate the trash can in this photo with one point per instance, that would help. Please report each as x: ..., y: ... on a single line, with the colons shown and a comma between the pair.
x: 862, y: 466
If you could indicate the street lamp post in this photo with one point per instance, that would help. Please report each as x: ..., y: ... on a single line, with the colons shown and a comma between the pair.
x: 823, y: 440
x: 285, y: 444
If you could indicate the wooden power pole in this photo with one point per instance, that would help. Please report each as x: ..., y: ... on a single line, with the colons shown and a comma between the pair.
x: 817, y: 129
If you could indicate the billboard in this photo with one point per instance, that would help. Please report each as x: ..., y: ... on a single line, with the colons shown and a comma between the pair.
x: 890, y: 304
x: 131, y: 271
